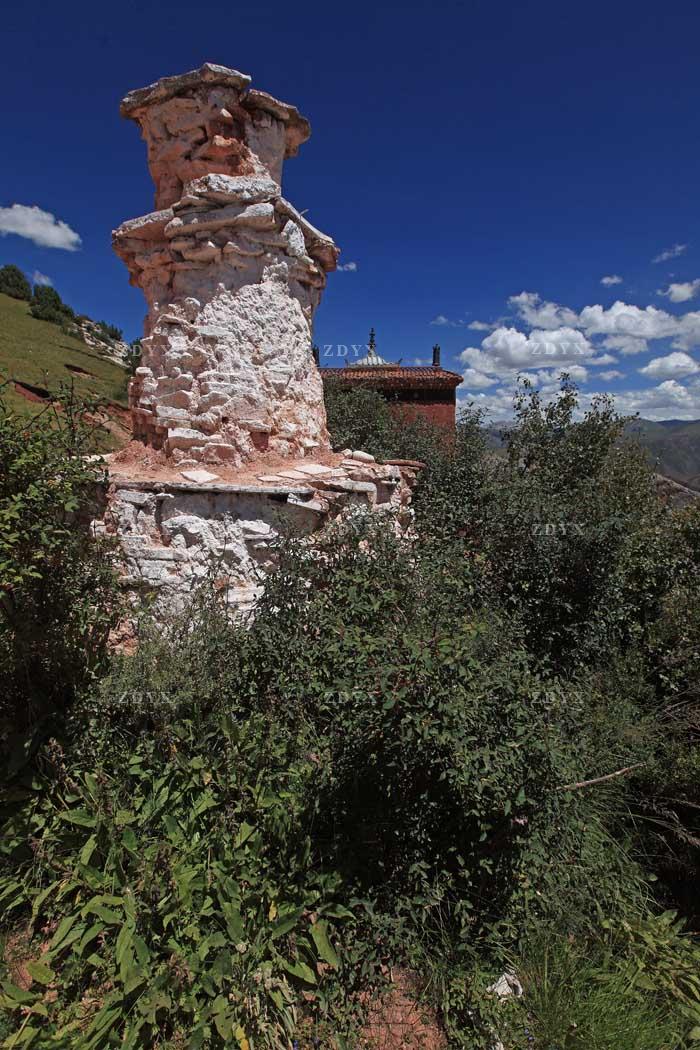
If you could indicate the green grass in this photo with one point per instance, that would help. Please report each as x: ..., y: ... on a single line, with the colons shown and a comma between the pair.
x: 38, y: 353
x: 574, y: 1001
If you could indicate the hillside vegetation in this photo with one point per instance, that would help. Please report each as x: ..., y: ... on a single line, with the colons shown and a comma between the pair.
x: 430, y: 759
x: 674, y: 444
x: 39, y: 355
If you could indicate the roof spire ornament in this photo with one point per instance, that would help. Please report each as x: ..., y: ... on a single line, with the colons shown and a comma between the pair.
x: 372, y: 346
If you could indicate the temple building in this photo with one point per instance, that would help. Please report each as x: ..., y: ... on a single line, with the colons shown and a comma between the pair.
x: 416, y: 391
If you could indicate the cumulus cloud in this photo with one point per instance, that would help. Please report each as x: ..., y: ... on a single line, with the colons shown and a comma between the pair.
x: 623, y: 319
x: 38, y: 226
x: 668, y: 400
x: 672, y: 366
x: 625, y: 327
x: 539, y: 314
x: 542, y: 347
x: 348, y: 267
x: 613, y: 278
x: 475, y: 380
x: 482, y: 326
x: 670, y: 253
x: 41, y: 278
x: 682, y: 292
x: 626, y: 344
x: 506, y: 352
x: 549, y: 338
x: 446, y: 322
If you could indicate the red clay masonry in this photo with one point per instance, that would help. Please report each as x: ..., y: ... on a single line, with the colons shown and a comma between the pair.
x: 415, y: 391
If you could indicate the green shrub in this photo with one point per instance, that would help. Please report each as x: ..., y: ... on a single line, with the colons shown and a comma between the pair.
x: 110, y: 332
x: 46, y: 305
x: 404, y: 758
x: 58, y: 594
x: 14, y: 283
x: 174, y: 895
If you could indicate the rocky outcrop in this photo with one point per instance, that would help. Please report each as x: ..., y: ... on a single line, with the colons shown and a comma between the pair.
x: 231, y: 272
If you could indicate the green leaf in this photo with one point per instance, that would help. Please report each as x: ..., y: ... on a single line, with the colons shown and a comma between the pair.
x: 319, y: 934
x: 301, y: 970
x: 88, y: 850
x: 81, y: 817
x: 285, y: 924
x: 129, y: 840
x: 90, y: 935
x: 62, y: 929
x: 17, y: 995
x: 124, y: 942
x: 40, y: 972
x: 244, y: 833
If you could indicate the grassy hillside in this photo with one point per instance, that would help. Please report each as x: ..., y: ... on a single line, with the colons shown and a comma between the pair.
x: 38, y: 357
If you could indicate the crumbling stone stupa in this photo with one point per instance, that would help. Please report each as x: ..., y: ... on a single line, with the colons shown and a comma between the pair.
x: 231, y: 272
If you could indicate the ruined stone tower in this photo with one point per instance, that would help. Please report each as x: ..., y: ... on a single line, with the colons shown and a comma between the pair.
x: 231, y: 272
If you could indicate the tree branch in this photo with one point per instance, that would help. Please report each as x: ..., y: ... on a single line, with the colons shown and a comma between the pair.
x: 600, y: 780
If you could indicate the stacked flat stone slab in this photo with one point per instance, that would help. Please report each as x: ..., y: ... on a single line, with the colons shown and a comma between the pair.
x: 231, y: 272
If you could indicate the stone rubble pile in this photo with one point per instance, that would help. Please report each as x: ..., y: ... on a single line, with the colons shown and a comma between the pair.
x: 231, y: 272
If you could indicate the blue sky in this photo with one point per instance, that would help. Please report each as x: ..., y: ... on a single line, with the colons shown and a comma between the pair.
x: 461, y: 155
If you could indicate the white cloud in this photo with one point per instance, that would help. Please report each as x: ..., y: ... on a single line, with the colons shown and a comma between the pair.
x: 477, y: 380
x: 481, y: 326
x: 506, y: 352
x: 578, y: 373
x: 445, y: 322
x: 682, y: 292
x: 668, y: 400
x: 672, y: 366
x: 613, y: 278
x: 510, y: 348
x: 623, y: 319
x: 38, y: 226
x: 670, y: 253
x: 626, y: 344
x: 40, y: 278
x: 556, y: 339
x: 541, y: 314
x: 348, y: 267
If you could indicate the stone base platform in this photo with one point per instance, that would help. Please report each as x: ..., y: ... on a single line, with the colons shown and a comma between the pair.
x: 175, y: 532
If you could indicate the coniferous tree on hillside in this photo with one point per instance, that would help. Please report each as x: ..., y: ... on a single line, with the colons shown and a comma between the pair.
x: 14, y: 283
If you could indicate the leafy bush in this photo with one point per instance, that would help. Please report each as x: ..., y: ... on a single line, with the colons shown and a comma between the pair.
x: 14, y: 283
x: 444, y: 750
x: 174, y: 895
x: 46, y: 305
x: 58, y: 596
